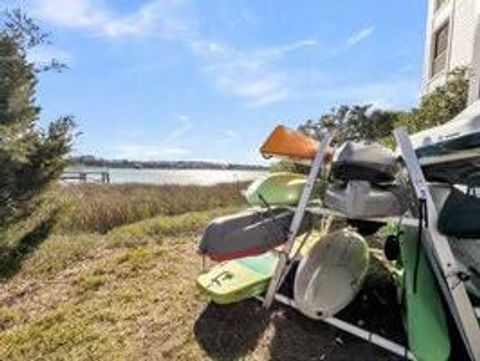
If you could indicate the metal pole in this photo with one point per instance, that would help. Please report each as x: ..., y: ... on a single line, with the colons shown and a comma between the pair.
x: 371, y: 337
x: 297, y: 219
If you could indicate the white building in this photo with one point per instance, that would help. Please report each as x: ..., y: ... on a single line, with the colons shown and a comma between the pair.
x: 453, y: 40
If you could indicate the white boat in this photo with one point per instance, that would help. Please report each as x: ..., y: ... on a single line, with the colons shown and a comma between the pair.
x: 452, y: 150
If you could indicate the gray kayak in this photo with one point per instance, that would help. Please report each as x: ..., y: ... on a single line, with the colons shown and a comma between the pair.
x: 248, y: 233
x: 360, y: 199
x: 360, y: 161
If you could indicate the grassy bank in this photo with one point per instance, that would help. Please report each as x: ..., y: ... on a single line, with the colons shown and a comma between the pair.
x: 127, y: 292
x: 100, y: 208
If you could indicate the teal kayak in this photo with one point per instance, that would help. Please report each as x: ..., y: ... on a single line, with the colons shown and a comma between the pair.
x: 424, y: 314
x: 276, y: 189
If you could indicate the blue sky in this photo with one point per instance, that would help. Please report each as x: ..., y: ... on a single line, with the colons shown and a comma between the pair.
x: 209, y: 79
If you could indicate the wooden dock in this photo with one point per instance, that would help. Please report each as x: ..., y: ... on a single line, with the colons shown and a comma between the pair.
x: 87, y: 176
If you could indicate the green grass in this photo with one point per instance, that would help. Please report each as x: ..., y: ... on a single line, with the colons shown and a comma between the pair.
x: 128, y: 293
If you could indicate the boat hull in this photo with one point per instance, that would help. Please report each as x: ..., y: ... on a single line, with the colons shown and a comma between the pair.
x: 450, y: 151
x: 368, y: 162
x: 359, y: 200
x: 421, y: 300
x: 237, y: 280
x: 291, y: 144
x: 276, y: 189
x: 248, y: 233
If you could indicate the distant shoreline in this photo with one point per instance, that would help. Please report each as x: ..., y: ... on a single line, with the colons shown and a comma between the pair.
x: 87, y: 161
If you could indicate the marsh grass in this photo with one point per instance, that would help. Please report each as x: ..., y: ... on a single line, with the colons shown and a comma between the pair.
x: 100, y: 208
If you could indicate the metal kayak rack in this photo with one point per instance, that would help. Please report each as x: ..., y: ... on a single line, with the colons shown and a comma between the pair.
x: 436, y: 246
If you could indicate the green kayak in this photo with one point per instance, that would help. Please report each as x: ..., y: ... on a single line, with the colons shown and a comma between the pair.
x: 424, y: 315
x: 276, y: 189
x: 236, y: 280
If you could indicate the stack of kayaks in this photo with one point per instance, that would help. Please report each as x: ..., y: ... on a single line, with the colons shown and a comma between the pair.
x: 329, y: 276
x: 245, y: 241
x: 363, y: 184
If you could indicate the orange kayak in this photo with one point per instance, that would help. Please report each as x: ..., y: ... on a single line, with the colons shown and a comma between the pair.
x: 292, y: 144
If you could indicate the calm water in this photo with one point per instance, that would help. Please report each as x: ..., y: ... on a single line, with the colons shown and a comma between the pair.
x: 175, y: 176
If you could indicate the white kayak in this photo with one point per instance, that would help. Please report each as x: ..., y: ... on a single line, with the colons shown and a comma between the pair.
x: 331, y: 274
x: 359, y: 199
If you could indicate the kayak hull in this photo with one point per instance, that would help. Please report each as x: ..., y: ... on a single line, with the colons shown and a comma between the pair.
x: 276, y: 189
x: 360, y: 200
x: 425, y: 319
x: 248, y: 233
x: 360, y: 161
x: 288, y: 143
x: 237, y: 280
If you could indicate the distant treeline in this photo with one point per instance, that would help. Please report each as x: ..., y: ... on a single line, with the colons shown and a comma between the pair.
x: 91, y: 161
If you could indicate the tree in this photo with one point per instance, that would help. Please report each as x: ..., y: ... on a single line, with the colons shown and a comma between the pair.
x: 30, y: 158
x: 356, y: 123
x: 363, y: 123
x: 439, y: 106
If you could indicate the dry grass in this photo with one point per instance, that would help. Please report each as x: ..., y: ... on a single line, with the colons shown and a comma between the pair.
x: 108, y: 299
x: 100, y: 208
x: 129, y: 293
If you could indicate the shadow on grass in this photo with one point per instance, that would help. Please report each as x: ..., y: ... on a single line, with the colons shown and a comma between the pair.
x: 11, y: 257
x: 375, y: 309
x: 232, y: 331
x: 229, y: 332
x: 298, y: 338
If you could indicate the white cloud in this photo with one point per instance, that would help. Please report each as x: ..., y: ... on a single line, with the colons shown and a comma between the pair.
x: 248, y: 74
x: 160, y: 17
x: 360, y: 36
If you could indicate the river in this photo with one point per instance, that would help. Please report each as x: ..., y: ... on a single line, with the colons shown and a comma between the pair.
x: 174, y: 176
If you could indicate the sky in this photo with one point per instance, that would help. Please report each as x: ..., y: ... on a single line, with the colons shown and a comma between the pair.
x: 210, y: 79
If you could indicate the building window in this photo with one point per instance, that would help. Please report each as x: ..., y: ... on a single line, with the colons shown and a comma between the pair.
x: 439, y: 4
x: 440, y: 47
